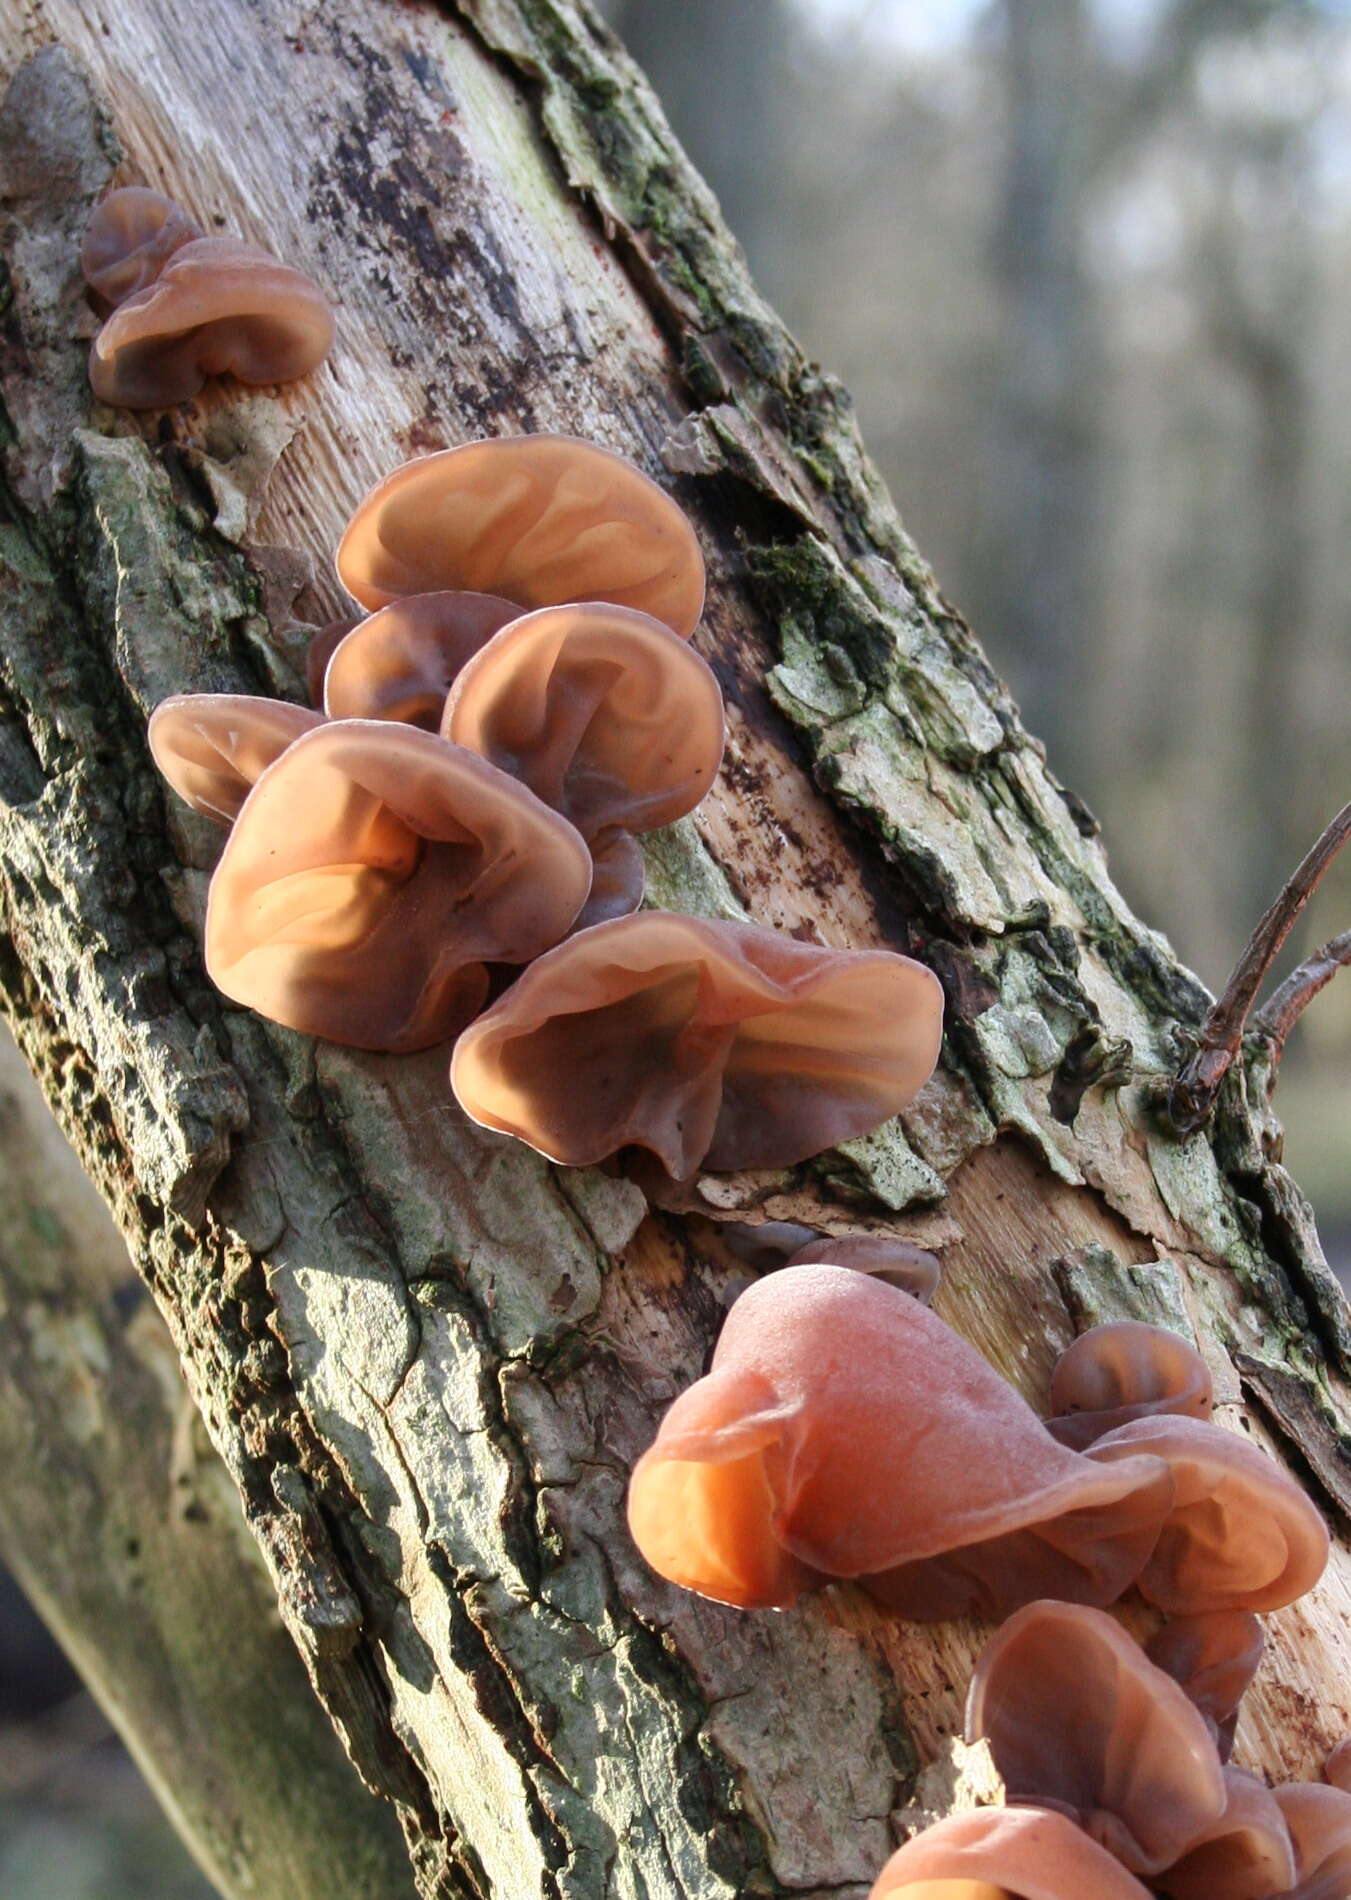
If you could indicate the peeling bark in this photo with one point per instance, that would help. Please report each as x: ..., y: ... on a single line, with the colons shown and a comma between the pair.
x: 426, y: 1357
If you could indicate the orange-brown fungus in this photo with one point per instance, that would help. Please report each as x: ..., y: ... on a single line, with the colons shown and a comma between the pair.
x: 372, y: 873
x: 214, y: 747
x: 130, y: 238
x: 539, y: 518
x: 1125, y: 1370
x: 1213, y: 1658
x: 399, y: 663
x: 1245, y: 1854
x: 1319, y: 1820
x: 709, y: 1044
x: 320, y: 651
x: 1337, y: 1767
x: 1241, y: 1534
x: 1079, y: 1720
x: 898, y: 1262
x: 1004, y: 1854
x: 843, y: 1430
x: 216, y: 306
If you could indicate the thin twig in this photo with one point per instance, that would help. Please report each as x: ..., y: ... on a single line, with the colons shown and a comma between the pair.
x: 1198, y: 1082
x: 1283, y: 1009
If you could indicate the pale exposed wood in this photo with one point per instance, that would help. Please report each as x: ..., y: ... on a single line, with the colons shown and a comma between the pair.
x: 475, y: 1346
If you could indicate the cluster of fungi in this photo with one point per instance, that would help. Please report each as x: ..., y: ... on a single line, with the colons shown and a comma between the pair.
x: 443, y: 850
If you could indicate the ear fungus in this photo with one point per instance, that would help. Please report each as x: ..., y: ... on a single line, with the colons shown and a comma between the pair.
x: 400, y: 662
x: 320, y: 651
x: 710, y: 1044
x: 1241, y: 1534
x: 1246, y: 1854
x: 214, y: 747
x: 541, y: 519
x: 1213, y: 1658
x: 1319, y: 1820
x: 216, y: 306
x: 842, y: 1431
x: 1121, y: 1371
x: 1004, y: 1854
x: 130, y: 237
x: 372, y: 874
x: 1079, y: 1720
x: 898, y: 1262
x: 1337, y: 1767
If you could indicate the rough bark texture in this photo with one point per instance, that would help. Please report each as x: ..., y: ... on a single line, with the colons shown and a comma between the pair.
x: 426, y: 1357
x: 125, y: 1530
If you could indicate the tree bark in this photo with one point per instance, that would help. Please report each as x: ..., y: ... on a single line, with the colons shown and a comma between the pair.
x: 427, y: 1358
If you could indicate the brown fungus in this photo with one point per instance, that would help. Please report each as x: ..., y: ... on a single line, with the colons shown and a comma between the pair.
x: 1244, y: 1854
x: 898, y: 1262
x: 399, y: 663
x: 323, y: 644
x: 372, y: 874
x: 1337, y: 1767
x: 843, y: 1430
x: 217, y: 306
x: 541, y: 519
x: 214, y: 747
x: 1121, y: 1371
x: 1319, y: 1820
x: 1004, y: 1854
x: 130, y: 237
x: 1078, y: 1719
x: 1241, y: 1534
x: 713, y: 1044
x: 1213, y: 1658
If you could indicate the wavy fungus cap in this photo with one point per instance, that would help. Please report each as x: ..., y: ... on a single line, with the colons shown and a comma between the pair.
x: 214, y: 747
x: 130, y: 237
x: 539, y: 518
x: 217, y: 306
x: 1004, y: 1854
x: 1319, y: 1820
x: 1245, y: 1854
x: 1241, y: 1534
x: 1213, y: 1658
x: 601, y: 711
x: 399, y: 663
x: 843, y: 1429
x: 713, y: 1043
x: 1078, y: 1719
x: 372, y: 873
x: 1121, y: 1371
x: 899, y: 1262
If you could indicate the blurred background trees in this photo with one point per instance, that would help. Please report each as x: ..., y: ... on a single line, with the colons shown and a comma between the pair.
x: 1085, y: 266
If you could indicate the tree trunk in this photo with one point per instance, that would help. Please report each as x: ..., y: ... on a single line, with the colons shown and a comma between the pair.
x: 428, y: 1358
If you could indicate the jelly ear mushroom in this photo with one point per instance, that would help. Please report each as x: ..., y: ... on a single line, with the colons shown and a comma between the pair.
x: 214, y: 747
x: 1319, y: 1820
x: 399, y: 663
x: 1241, y: 1534
x: 706, y: 1043
x: 130, y: 237
x: 1121, y: 1371
x: 217, y: 306
x: 371, y: 875
x: 1079, y: 1720
x: 539, y: 518
x: 1213, y: 1658
x: 1337, y: 1767
x: 898, y: 1262
x: 1245, y: 1854
x: 843, y: 1430
x: 323, y: 645
x: 1004, y: 1854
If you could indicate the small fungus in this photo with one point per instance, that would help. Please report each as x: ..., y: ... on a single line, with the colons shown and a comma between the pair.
x: 712, y: 1044
x: 1121, y: 1371
x: 898, y: 1262
x: 130, y: 238
x: 1337, y: 1767
x: 216, y: 306
x: 323, y: 645
x: 1319, y: 1820
x: 372, y: 874
x: 399, y: 663
x: 1244, y: 1854
x: 842, y: 1431
x: 605, y: 714
x: 214, y: 747
x: 1078, y: 1719
x: 1214, y: 1658
x: 541, y: 519
x: 1241, y: 1534
x: 1005, y: 1854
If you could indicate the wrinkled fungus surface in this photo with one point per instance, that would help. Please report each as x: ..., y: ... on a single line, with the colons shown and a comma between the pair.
x: 130, y: 237
x: 399, y: 663
x: 217, y: 306
x: 844, y: 1431
x: 372, y: 873
x: 540, y: 519
x: 1005, y: 1854
x: 1112, y: 1374
x: 706, y: 1043
x: 214, y: 747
